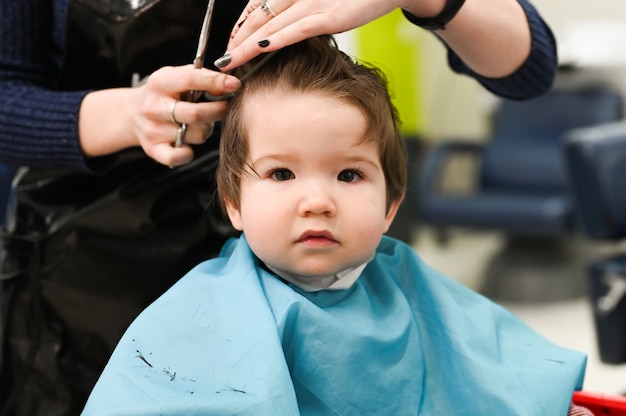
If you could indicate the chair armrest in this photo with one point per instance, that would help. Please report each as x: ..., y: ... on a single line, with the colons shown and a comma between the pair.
x: 435, y: 163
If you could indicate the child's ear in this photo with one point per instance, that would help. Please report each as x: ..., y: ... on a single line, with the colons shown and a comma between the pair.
x: 391, y: 212
x: 234, y: 215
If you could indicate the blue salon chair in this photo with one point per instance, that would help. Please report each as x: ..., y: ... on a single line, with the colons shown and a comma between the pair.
x: 519, y: 187
x: 596, y: 160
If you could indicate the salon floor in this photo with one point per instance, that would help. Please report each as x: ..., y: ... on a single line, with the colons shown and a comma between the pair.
x: 567, y: 322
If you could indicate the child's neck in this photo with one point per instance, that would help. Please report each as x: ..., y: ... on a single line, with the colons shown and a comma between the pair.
x: 339, y: 281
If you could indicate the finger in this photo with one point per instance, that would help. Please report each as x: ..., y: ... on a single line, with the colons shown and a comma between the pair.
x: 176, y: 81
x: 250, y: 7
x: 202, y: 112
x: 258, y: 19
x: 171, y: 156
x: 198, y: 133
x: 298, y: 21
x: 302, y: 29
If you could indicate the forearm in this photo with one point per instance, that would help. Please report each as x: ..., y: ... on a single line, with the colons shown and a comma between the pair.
x: 531, y: 77
x: 63, y: 129
x: 105, y: 121
x: 150, y: 115
x: 492, y: 37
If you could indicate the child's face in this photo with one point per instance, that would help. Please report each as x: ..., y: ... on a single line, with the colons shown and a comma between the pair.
x: 316, y: 204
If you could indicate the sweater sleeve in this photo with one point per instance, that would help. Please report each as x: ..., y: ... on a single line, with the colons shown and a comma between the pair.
x: 38, y: 125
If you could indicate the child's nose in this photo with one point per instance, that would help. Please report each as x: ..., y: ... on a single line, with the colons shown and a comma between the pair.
x: 317, y: 199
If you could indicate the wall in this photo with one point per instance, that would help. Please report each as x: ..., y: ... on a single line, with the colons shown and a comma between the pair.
x: 558, y: 12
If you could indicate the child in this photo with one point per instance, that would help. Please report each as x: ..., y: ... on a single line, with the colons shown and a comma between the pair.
x: 312, y: 310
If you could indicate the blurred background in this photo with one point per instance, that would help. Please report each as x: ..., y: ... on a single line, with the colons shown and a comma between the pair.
x: 545, y: 238
x: 524, y: 202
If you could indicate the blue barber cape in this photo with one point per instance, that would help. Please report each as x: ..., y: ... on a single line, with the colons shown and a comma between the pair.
x: 231, y: 338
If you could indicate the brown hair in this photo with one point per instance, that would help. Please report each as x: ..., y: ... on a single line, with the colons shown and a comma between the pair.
x: 316, y: 65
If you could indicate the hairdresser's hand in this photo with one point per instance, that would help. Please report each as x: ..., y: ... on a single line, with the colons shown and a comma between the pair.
x: 297, y: 20
x: 156, y: 126
x: 115, y: 119
x: 491, y: 36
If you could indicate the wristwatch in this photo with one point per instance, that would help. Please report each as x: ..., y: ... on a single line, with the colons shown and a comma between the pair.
x: 440, y: 21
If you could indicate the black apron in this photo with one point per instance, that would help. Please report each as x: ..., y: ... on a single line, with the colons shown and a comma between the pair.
x: 85, y: 253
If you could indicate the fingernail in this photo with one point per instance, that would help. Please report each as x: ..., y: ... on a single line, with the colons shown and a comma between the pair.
x: 223, y: 61
x: 232, y: 82
x: 264, y: 43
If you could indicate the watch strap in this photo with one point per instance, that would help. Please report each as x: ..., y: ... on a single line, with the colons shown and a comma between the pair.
x: 440, y: 21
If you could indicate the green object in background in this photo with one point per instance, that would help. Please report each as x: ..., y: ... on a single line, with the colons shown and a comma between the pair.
x: 392, y: 44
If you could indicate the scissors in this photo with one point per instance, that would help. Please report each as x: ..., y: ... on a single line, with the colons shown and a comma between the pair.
x: 198, y: 62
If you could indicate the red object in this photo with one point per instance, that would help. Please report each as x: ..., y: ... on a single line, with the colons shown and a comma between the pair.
x: 601, y: 404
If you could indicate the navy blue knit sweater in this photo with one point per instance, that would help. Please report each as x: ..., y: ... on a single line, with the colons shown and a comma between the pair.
x: 39, y: 126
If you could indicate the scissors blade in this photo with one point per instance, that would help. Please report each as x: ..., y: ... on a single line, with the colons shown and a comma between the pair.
x: 203, y: 41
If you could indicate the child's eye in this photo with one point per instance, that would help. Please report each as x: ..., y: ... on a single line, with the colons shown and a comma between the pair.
x: 349, y: 175
x: 282, y: 174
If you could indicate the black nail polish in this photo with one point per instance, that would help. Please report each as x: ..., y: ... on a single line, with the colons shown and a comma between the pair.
x: 264, y: 43
x: 223, y: 61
